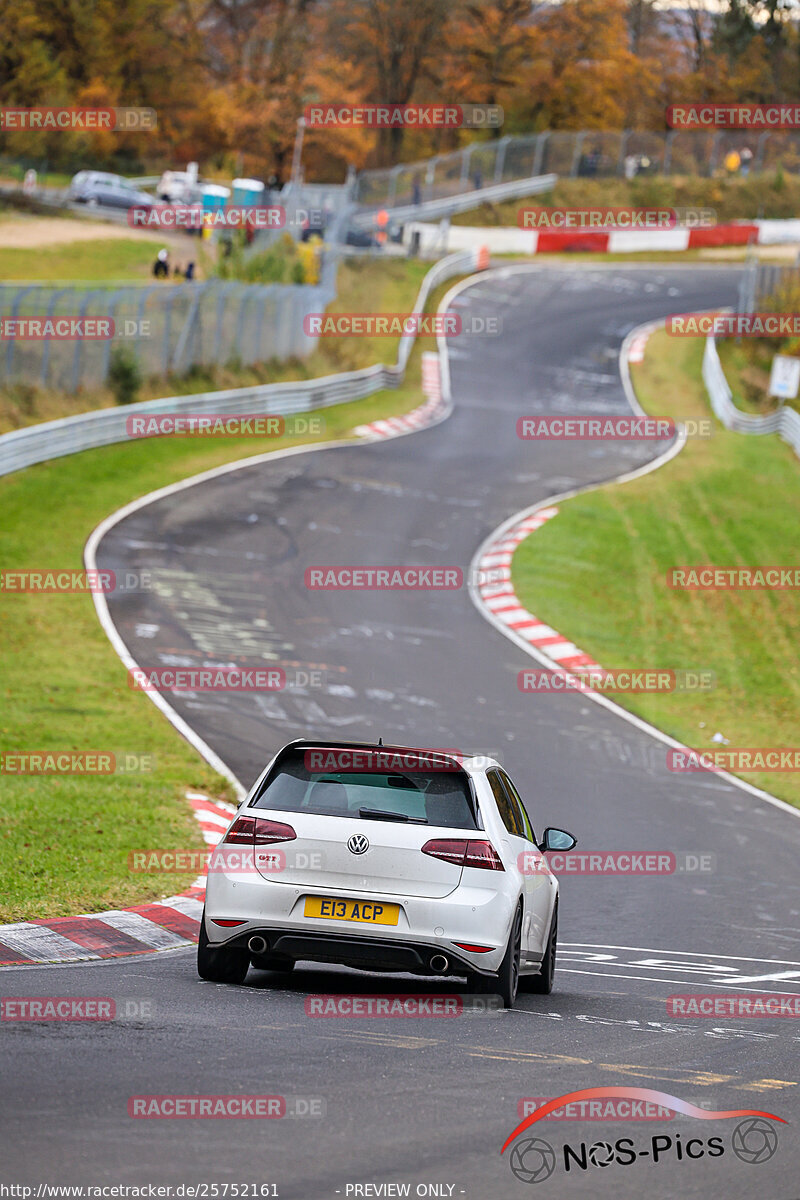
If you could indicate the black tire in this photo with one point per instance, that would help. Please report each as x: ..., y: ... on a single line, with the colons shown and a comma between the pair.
x: 272, y: 962
x: 542, y: 984
x: 222, y: 964
x: 505, y: 982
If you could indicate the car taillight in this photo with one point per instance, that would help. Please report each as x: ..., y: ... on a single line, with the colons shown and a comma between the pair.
x: 482, y: 854
x: 464, y: 853
x: 258, y: 831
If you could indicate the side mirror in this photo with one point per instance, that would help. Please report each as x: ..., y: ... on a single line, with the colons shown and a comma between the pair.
x: 557, y: 839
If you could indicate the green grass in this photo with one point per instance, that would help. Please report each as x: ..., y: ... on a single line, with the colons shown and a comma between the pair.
x: 747, y: 367
x: 597, y: 573
x: 105, y: 259
x: 64, y: 841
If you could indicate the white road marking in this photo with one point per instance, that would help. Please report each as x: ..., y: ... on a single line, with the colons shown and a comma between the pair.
x: 768, y: 978
x: 728, y: 985
x: 783, y: 962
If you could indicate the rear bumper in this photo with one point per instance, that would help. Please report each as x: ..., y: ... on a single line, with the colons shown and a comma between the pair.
x: 368, y: 953
x: 426, y: 926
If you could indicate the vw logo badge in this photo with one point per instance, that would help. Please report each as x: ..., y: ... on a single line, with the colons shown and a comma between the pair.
x: 358, y: 844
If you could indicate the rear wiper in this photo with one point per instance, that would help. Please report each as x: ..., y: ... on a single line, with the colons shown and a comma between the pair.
x: 379, y: 814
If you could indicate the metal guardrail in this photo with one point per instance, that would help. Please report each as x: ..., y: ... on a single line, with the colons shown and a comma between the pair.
x: 86, y: 431
x: 785, y: 422
x: 446, y: 206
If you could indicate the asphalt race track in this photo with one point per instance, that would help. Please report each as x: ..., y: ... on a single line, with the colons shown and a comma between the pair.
x: 427, y: 1101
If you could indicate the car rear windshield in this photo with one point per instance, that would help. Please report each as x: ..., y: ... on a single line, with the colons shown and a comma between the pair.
x: 424, y: 796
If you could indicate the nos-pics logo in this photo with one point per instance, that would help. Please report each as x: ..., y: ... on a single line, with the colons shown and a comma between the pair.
x: 532, y: 1160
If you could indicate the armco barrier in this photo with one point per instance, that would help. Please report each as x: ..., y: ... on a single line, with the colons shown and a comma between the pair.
x: 86, y: 431
x: 785, y: 422
x: 447, y: 206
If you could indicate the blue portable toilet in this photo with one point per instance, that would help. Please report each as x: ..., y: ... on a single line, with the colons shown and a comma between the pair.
x: 248, y: 192
x: 215, y: 196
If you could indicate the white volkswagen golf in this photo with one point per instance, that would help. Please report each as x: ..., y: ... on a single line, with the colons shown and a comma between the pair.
x: 385, y: 858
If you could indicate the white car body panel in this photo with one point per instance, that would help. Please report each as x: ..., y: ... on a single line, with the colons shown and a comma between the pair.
x: 440, y: 903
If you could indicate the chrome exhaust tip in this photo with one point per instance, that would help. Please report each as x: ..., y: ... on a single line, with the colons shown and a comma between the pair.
x: 257, y: 944
x: 439, y: 964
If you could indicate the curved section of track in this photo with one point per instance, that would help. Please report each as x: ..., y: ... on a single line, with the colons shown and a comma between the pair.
x: 433, y: 1101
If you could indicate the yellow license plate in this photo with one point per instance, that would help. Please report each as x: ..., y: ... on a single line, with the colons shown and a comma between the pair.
x: 352, y: 910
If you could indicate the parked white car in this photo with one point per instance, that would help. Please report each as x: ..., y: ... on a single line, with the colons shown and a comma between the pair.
x: 178, y: 187
x: 384, y: 858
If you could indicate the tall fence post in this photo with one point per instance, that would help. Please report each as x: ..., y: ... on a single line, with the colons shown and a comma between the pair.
x: 76, y: 358
x: 466, y: 155
x: 538, y: 153
x: 46, y: 350
x: 576, y: 154
x: 112, y: 312
x: 187, y: 331
x: 716, y: 142
x: 623, y: 145
x: 15, y: 305
x: 392, y: 193
x: 668, y: 140
x: 500, y: 158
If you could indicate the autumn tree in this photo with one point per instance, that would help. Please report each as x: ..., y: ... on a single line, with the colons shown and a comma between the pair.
x: 397, y: 48
x: 584, y: 74
x: 489, y: 55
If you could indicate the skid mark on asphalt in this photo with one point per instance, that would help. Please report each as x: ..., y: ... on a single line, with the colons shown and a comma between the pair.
x: 662, y: 1074
x: 688, y: 1029
x: 400, y: 1041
